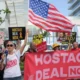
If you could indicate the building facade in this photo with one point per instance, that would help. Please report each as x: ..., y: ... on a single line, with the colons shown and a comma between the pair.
x: 74, y: 7
x: 74, y: 11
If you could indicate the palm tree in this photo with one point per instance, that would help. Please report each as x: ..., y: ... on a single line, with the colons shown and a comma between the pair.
x: 6, y: 11
x: 44, y: 33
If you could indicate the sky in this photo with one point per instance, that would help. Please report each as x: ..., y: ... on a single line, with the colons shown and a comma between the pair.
x: 61, y: 5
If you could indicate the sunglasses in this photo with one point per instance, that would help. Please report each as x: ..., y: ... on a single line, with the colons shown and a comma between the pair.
x: 10, y: 45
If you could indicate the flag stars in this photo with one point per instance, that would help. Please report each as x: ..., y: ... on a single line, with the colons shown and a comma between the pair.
x: 39, y: 8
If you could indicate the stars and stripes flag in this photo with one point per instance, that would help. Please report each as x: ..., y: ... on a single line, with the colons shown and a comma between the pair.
x: 46, y: 16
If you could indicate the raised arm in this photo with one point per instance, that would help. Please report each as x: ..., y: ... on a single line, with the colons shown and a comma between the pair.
x: 18, y: 46
x: 25, y: 42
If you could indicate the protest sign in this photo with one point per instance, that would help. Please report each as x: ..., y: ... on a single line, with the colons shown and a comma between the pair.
x: 37, y: 39
x: 16, y: 33
x: 41, y: 47
x: 1, y: 37
x: 66, y: 38
x: 59, y: 65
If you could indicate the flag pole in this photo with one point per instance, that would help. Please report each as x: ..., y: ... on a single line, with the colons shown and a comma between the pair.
x: 27, y: 14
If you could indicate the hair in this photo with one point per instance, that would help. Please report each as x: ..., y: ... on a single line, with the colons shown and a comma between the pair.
x: 5, y: 42
x: 14, y: 45
x: 31, y: 47
x: 79, y: 45
x: 56, y: 47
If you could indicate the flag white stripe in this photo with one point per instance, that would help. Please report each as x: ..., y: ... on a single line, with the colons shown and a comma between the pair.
x: 44, y: 26
x: 48, y: 21
x: 57, y: 15
x: 60, y: 22
x: 42, y: 21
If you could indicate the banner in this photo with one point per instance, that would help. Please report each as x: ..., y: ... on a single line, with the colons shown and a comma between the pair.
x: 37, y: 39
x: 1, y: 37
x: 16, y: 33
x: 59, y: 65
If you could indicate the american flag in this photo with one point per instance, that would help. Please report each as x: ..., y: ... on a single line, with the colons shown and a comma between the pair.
x: 46, y: 16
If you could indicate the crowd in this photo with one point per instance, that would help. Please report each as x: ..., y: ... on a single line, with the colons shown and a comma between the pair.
x: 10, y: 57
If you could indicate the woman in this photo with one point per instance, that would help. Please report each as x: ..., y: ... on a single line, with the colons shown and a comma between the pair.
x: 12, y: 69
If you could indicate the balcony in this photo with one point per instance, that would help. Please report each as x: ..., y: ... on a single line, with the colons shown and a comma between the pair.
x: 73, y: 4
x: 69, y: 1
x: 75, y: 12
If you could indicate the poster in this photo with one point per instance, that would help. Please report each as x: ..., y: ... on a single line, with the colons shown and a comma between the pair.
x: 37, y: 39
x: 66, y: 38
x: 16, y: 33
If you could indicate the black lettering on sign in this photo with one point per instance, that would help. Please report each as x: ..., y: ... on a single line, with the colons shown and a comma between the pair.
x: 15, y: 37
x: 16, y: 33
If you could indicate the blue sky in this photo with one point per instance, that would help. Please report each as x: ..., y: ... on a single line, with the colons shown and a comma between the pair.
x: 61, y: 5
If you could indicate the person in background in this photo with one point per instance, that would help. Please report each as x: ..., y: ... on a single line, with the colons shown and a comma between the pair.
x: 75, y: 46
x: 12, y: 69
x: 1, y: 66
x: 56, y: 47
x: 31, y: 49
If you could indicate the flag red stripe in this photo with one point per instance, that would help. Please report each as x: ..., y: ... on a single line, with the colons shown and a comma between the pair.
x: 54, y: 13
x: 58, y: 15
x: 52, y: 7
x: 45, y: 23
x: 40, y: 26
x: 48, y: 22
x: 49, y: 28
x: 60, y: 20
x: 63, y: 25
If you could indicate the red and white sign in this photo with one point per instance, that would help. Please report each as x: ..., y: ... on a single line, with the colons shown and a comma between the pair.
x: 1, y: 37
x: 41, y: 47
x: 59, y: 65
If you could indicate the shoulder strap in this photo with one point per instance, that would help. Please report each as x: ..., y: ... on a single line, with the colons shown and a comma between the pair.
x: 5, y: 60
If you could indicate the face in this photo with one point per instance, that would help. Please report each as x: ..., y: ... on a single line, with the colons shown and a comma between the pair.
x: 10, y: 46
x: 57, y: 48
x: 60, y: 35
x: 75, y: 45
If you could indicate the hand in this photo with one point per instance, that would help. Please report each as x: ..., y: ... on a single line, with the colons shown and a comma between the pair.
x: 3, y: 57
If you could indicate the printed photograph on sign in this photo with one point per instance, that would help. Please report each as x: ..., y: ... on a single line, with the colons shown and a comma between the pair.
x: 65, y: 38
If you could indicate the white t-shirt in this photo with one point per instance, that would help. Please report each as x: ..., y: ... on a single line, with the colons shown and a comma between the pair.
x: 12, y: 68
